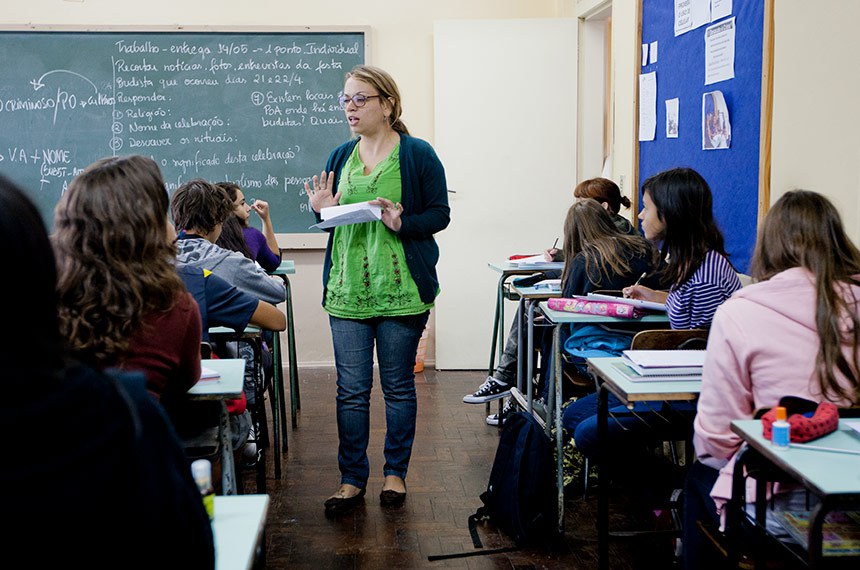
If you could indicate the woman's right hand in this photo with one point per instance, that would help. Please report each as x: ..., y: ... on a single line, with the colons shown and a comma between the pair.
x: 320, y: 196
x: 549, y: 254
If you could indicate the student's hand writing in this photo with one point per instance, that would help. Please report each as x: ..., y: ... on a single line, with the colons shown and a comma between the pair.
x: 390, y: 213
x: 644, y: 293
x: 320, y: 196
x: 262, y: 208
x: 549, y: 254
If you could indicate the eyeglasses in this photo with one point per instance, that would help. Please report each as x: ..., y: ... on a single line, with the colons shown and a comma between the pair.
x: 359, y: 100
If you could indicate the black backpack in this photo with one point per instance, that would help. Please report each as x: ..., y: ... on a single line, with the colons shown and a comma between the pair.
x: 521, y: 496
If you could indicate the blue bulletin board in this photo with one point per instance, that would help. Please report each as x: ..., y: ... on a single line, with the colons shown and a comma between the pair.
x: 738, y: 175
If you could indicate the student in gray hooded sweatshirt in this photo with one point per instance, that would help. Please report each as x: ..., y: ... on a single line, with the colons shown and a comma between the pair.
x: 199, y: 210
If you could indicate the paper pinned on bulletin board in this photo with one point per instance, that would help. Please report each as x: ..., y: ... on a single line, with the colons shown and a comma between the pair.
x: 716, y: 126
x: 672, y: 109
x: 647, y: 106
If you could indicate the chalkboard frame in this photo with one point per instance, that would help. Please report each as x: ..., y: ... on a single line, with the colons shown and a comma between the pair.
x: 741, y: 232
x: 286, y: 241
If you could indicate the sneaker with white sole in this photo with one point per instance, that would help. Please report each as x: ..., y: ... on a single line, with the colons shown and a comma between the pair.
x: 493, y: 419
x: 490, y: 390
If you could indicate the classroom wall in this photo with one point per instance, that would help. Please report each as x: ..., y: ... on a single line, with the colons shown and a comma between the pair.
x: 401, y: 41
x: 815, y: 114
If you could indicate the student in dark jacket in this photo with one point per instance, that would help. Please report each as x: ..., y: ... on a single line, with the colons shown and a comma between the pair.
x: 109, y: 486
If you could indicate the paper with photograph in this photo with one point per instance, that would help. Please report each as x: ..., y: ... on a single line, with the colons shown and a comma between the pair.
x: 716, y: 124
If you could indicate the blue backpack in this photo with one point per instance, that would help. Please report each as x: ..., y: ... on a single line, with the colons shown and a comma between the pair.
x: 521, y: 497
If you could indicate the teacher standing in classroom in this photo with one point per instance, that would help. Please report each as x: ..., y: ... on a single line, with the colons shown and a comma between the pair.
x: 379, y: 278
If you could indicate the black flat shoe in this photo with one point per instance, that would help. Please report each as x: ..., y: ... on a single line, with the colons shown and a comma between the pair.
x: 338, y: 504
x: 391, y: 498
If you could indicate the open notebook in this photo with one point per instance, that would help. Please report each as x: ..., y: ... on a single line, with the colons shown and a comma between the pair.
x: 635, y: 302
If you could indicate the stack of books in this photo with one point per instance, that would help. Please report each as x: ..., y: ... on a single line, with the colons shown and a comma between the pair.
x: 662, y: 365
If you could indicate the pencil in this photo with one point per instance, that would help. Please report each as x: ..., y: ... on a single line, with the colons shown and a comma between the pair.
x: 641, y: 277
x: 555, y: 243
x: 822, y: 448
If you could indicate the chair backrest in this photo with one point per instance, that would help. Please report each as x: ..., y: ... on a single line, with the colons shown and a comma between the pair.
x: 205, y: 350
x: 670, y: 339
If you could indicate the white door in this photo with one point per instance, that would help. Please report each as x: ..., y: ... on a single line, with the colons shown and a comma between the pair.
x: 506, y: 106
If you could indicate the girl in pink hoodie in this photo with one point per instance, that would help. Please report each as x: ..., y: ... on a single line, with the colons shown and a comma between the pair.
x: 793, y: 333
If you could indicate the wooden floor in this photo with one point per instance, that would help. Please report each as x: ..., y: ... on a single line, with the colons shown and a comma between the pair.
x: 451, y: 461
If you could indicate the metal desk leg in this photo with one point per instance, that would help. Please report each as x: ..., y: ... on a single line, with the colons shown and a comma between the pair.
x: 228, y: 468
x: 555, y: 410
x: 278, y: 404
x: 530, y: 350
x: 603, y: 477
x: 295, y: 396
x: 498, y: 322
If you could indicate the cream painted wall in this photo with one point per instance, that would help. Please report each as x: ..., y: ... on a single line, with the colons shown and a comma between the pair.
x: 401, y: 41
x: 816, y: 117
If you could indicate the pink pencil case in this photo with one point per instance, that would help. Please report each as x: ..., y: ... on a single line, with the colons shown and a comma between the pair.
x: 592, y: 307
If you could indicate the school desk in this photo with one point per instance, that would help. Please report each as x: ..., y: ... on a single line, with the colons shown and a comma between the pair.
x: 610, y: 379
x: 554, y: 390
x: 227, y: 386
x: 253, y: 335
x: 529, y: 297
x: 287, y: 267
x: 239, y: 527
x: 508, y: 270
x: 833, y: 477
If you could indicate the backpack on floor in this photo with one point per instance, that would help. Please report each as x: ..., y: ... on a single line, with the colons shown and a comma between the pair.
x: 521, y: 496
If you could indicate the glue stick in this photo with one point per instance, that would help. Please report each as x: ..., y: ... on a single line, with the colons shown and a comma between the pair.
x: 781, y: 429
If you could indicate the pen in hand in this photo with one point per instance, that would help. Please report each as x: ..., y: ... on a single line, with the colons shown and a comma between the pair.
x: 625, y: 292
x: 555, y: 243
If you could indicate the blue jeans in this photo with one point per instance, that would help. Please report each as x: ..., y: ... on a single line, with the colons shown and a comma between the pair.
x: 396, y: 341
x: 625, y: 427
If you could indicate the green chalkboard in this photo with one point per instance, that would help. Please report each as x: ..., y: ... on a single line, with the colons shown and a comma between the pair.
x: 255, y: 107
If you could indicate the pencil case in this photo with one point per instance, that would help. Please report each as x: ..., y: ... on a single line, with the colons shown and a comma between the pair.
x: 592, y: 307
x: 808, y: 420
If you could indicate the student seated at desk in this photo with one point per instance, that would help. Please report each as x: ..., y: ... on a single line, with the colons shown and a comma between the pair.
x: 122, y: 303
x: 608, y: 195
x: 794, y: 333
x: 677, y: 212
x: 600, y: 257
x: 262, y: 246
x: 104, y: 482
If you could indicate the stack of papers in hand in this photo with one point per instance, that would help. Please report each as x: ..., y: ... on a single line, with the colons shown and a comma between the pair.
x: 348, y: 214
x: 665, y: 362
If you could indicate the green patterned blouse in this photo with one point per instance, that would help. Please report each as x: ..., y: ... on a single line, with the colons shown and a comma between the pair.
x: 369, y: 276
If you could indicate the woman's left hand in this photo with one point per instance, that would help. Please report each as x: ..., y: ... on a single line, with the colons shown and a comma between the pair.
x: 390, y: 213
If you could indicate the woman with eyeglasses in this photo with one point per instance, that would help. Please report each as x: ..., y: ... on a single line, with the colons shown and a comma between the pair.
x: 379, y: 278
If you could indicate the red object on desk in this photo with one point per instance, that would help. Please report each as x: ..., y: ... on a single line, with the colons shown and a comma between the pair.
x: 513, y: 257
